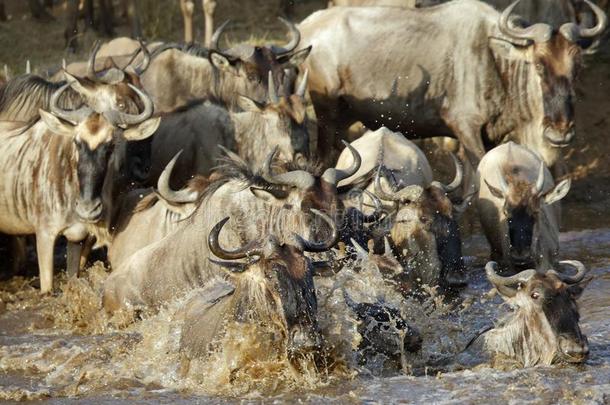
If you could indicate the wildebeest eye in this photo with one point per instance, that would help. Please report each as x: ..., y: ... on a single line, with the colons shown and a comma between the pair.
x: 535, y: 295
x: 121, y: 106
x: 539, y: 67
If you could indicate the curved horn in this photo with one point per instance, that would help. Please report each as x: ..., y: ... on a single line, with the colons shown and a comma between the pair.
x: 360, y: 251
x: 581, y: 271
x: 378, y: 208
x: 537, y: 32
x: 218, y: 251
x: 457, y: 179
x: 334, y: 176
x: 295, y: 38
x: 538, y: 187
x: 91, y: 74
x: 323, y: 246
x: 73, y: 116
x: 381, y: 193
x: 296, y: 178
x: 121, y: 118
x: 145, y: 59
x: 387, y: 248
x: 215, y: 40
x: 503, y: 284
x: 165, y: 191
x: 303, y: 85
x: 573, y: 32
x: 273, y: 99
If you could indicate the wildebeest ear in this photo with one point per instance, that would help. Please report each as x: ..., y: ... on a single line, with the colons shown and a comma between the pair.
x: 268, y: 195
x: 504, y: 49
x: 496, y: 192
x: 247, y: 104
x: 56, y: 125
x: 142, y: 130
x: 576, y: 290
x: 294, y: 59
x: 558, y: 192
x: 221, y: 62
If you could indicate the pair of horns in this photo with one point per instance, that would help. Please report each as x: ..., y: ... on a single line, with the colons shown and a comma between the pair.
x: 115, y: 117
x: 302, y: 179
x: 537, y: 188
x: 295, y: 38
x: 508, y: 286
x: 257, y: 248
x: 115, y: 75
x: 540, y: 32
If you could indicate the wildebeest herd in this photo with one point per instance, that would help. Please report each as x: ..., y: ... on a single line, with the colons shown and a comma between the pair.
x: 197, y: 168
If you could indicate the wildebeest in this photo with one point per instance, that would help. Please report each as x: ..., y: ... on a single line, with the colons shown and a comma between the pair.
x: 277, y: 204
x: 222, y: 74
x: 103, y: 91
x: 54, y: 171
x: 516, y: 193
x: 421, y: 219
x: 142, y: 217
x: 203, y: 128
x: 543, y: 329
x: 504, y: 81
x: 274, y: 287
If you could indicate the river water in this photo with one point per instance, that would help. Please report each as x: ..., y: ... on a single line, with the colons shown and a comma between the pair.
x: 64, y: 349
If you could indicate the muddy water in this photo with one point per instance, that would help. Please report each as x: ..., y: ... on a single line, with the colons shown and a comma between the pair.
x: 62, y: 348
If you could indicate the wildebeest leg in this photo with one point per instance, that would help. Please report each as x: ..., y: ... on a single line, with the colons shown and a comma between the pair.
x: 89, y: 13
x: 2, y: 11
x: 71, y: 31
x: 469, y: 135
x: 208, y: 11
x: 18, y: 253
x: 106, y: 18
x: 187, y: 7
x: 331, y: 128
x: 45, y: 244
x: 133, y: 14
x: 74, y: 250
x: 38, y: 11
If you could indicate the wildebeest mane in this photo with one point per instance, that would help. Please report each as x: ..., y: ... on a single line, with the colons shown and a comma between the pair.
x: 21, y: 98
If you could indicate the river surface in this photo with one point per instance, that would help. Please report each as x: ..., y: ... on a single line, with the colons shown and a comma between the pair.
x: 63, y: 349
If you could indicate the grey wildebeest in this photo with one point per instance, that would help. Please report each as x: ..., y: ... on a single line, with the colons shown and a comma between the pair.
x: 421, y: 219
x: 515, y: 201
x: 277, y: 204
x: 103, y: 91
x: 543, y: 328
x: 142, y: 217
x: 222, y: 74
x: 274, y: 286
x: 504, y: 81
x: 203, y: 128
x: 55, y: 171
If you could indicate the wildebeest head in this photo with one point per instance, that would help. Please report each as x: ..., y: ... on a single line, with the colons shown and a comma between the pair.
x: 110, y: 89
x: 424, y: 229
x: 250, y: 65
x: 522, y: 202
x: 95, y: 136
x: 544, y: 326
x: 276, y: 284
x: 281, y: 121
x: 556, y: 57
x: 299, y: 191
